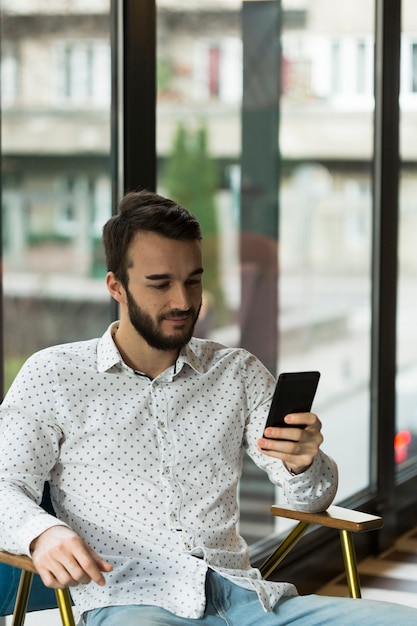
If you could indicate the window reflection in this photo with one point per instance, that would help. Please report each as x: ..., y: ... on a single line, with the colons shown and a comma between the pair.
x: 303, y: 185
x: 295, y: 248
x: 406, y: 422
x: 83, y: 72
x: 56, y: 188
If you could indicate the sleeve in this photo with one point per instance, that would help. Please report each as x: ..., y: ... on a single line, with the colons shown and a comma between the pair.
x: 314, y: 489
x: 29, y: 447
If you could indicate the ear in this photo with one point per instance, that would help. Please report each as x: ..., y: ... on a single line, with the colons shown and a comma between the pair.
x: 115, y: 288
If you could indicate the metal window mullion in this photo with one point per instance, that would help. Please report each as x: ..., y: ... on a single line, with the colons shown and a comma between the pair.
x: 139, y: 94
x: 385, y: 254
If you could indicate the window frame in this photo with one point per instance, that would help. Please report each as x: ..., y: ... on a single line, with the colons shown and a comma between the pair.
x: 134, y: 165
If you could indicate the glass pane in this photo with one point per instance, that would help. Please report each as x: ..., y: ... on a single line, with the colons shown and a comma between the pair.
x: 406, y: 426
x: 199, y: 128
x: 326, y: 136
x: 56, y: 188
x: 264, y: 150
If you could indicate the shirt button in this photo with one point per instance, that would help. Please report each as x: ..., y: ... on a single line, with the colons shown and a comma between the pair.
x: 188, y: 546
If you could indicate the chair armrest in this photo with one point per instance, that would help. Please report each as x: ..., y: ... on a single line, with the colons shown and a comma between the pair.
x: 18, y: 560
x: 334, y: 517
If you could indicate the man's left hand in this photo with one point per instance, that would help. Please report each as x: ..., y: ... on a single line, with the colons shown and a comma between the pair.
x: 296, y: 447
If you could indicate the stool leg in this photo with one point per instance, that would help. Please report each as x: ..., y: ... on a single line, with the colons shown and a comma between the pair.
x: 64, y: 604
x: 349, y: 557
x: 22, y: 598
x: 289, y: 542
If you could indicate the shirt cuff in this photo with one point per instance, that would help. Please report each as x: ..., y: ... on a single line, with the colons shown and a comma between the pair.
x: 35, y: 527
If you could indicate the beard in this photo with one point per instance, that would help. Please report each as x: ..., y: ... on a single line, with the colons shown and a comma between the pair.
x: 149, y: 329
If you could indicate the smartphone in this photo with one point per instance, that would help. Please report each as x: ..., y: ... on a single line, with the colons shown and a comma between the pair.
x: 294, y: 393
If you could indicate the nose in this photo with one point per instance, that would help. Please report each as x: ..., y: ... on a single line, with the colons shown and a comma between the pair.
x: 180, y: 298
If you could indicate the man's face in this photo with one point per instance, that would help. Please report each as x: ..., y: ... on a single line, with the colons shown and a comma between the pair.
x: 164, y: 290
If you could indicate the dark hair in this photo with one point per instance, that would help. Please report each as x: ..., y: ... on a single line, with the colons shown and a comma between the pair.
x: 144, y: 210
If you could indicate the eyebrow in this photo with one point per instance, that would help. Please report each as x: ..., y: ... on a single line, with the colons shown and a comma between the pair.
x: 196, y: 272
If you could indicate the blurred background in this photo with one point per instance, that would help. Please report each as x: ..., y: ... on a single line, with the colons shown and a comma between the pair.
x: 266, y: 128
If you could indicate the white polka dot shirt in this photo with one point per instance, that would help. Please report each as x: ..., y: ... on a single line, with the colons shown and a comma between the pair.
x: 146, y: 471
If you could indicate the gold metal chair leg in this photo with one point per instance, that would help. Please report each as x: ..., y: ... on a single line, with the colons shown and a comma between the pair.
x: 349, y: 557
x: 22, y: 598
x: 64, y: 604
x: 289, y: 542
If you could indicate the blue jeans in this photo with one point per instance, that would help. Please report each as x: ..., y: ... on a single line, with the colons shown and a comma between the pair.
x: 231, y: 605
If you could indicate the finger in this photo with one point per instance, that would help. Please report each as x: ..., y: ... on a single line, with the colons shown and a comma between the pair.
x: 283, y: 434
x: 275, y: 447
x: 104, y: 566
x: 296, y: 454
x: 83, y: 563
x: 280, y: 446
x: 79, y: 568
x: 93, y: 566
x: 58, y: 577
x: 302, y: 419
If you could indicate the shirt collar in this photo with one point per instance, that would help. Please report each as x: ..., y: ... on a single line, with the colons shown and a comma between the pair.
x: 190, y: 355
x: 107, y: 353
x: 108, y: 356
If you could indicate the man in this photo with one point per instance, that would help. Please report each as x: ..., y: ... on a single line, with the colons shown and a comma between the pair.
x: 141, y: 435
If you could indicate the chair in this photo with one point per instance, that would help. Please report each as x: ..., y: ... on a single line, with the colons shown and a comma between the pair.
x: 21, y: 588
x: 345, y: 520
x: 16, y: 591
x: 342, y: 519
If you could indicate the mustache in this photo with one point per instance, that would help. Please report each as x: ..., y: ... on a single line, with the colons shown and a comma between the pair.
x: 177, y: 313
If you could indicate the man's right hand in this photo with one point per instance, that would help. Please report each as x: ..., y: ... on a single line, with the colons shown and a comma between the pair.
x: 63, y: 559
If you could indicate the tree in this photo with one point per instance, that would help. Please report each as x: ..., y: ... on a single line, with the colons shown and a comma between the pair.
x: 191, y: 179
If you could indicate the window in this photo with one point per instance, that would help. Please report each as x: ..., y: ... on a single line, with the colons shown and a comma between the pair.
x: 84, y: 68
x: 315, y: 192
x: 218, y: 69
x: 414, y: 67
x: 319, y: 199
x: 361, y: 83
x: 9, y: 74
x: 335, y: 80
x: 55, y: 173
x: 406, y: 391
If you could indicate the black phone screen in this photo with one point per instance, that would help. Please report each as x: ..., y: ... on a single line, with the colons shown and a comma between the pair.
x: 294, y: 393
